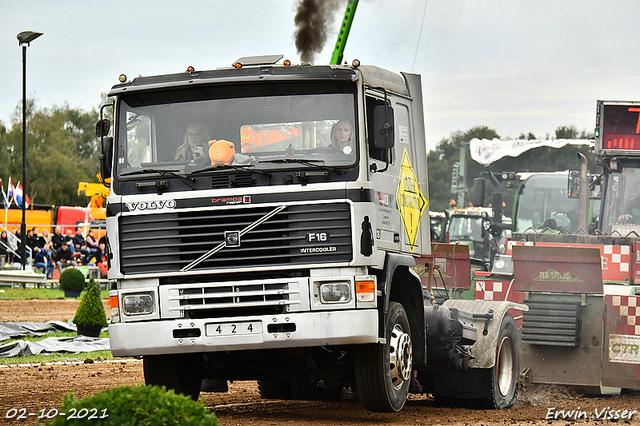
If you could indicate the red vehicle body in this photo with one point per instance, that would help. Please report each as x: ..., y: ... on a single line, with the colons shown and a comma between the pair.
x: 583, y: 291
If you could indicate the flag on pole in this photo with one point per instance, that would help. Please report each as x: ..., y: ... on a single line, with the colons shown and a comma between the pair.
x: 17, y: 194
x: 11, y: 192
x: 27, y: 200
x: 17, y: 191
x: 4, y: 195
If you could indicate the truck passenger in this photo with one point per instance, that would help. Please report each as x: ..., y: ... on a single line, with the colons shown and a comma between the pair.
x: 341, y: 134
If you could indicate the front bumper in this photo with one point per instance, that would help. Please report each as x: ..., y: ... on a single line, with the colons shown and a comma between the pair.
x: 266, y: 332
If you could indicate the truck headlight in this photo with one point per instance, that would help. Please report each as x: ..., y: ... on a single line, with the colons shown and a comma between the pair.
x: 335, y: 292
x: 138, y: 303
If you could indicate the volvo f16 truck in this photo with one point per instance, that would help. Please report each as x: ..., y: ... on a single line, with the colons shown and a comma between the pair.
x: 264, y: 221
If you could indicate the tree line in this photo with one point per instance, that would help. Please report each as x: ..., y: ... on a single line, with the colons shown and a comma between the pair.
x: 62, y: 150
x: 542, y: 159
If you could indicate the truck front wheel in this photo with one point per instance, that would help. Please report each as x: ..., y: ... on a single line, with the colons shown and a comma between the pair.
x: 383, y: 372
x: 180, y: 372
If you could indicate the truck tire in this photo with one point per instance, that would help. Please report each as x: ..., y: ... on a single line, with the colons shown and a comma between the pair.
x: 275, y: 389
x: 506, y: 371
x: 180, y: 372
x: 383, y: 372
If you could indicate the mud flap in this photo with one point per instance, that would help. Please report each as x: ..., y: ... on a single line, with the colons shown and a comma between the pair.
x: 495, y: 387
x: 492, y: 381
x: 485, y: 347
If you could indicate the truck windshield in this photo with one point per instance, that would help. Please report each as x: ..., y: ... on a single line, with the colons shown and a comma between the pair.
x: 465, y: 228
x: 468, y: 230
x: 621, y: 212
x: 187, y: 130
x: 543, y: 202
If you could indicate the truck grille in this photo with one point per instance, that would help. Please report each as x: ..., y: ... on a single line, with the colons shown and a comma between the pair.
x: 215, y: 299
x: 168, y: 242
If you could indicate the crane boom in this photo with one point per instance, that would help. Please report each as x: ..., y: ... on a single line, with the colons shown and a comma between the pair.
x: 343, y: 34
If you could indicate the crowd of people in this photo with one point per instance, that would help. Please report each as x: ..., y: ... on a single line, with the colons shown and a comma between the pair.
x: 57, y: 250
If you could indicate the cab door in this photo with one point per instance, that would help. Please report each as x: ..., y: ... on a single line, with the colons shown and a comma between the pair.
x: 400, y: 201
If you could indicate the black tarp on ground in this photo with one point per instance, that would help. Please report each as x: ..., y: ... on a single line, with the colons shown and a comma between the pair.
x: 12, y: 330
x: 74, y: 344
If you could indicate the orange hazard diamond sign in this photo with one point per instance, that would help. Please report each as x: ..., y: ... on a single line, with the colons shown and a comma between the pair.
x: 411, y: 201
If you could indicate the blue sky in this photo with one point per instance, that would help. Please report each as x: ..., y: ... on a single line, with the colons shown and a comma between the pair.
x: 515, y: 66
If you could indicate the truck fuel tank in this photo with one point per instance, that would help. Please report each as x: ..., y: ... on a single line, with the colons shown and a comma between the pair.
x: 450, y: 333
x: 450, y: 325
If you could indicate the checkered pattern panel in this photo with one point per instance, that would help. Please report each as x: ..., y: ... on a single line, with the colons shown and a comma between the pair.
x: 497, y: 290
x: 616, y: 257
x: 628, y: 309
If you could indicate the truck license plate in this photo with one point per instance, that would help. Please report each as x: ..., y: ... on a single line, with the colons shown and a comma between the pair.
x: 234, y: 328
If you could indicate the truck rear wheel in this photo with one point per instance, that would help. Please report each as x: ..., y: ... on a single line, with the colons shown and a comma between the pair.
x: 180, y: 372
x: 505, y: 372
x: 383, y: 372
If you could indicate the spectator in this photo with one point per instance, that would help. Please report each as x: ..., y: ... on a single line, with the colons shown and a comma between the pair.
x: 69, y: 239
x: 32, y: 241
x: 63, y: 257
x: 42, y: 260
x: 81, y: 246
x: 100, y: 259
x: 57, y: 238
x: 32, y: 246
x: 44, y: 238
x: 13, y: 243
x: 6, y: 249
x: 92, y: 243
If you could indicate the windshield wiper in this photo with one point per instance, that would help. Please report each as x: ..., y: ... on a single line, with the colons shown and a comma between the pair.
x: 184, y: 178
x: 161, y: 172
x: 237, y: 167
x: 306, y: 162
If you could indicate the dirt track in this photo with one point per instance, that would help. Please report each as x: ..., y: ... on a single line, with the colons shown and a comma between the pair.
x: 41, y: 387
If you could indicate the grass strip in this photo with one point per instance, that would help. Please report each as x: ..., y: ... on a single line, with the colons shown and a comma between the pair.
x: 38, y: 293
x: 61, y: 356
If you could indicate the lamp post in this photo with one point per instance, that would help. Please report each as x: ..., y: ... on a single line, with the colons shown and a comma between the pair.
x: 24, y: 39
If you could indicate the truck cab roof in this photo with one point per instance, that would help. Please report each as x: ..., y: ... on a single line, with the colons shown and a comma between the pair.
x: 371, y: 76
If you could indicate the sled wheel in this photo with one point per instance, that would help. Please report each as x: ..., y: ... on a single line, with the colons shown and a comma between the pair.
x: 383, y: 372
x: 505, y: 372
x: 180, y: 372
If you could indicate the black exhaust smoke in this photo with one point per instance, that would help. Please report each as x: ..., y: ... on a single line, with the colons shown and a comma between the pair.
x: 314, y: 20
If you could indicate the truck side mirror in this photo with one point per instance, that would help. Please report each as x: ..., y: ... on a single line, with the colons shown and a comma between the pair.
x: 383, y: 127
x: 497, y: 207
x: 106, y: 159
x: 573, y: 184
x: 478, y: 192
x: 486, y: 224
x: 102, y: 127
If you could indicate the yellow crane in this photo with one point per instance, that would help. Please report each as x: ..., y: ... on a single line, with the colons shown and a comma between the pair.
x: 98, y: 193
